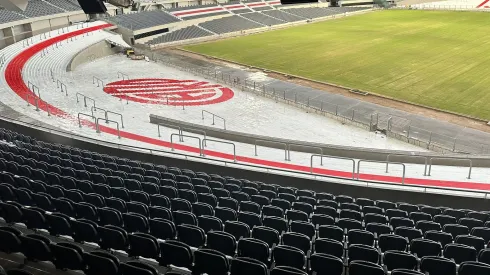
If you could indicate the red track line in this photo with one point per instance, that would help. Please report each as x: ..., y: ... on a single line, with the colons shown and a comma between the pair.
x: 482, y: 3
x: 197, y: 11
x: 13, y: 76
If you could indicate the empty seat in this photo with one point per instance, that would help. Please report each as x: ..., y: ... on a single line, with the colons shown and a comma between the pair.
x: 210, y: 223
x: 409, y: 233
x: 434, y: 265
x: 212, y: 262
x: 183, y: 217
x: 459, y: 252
x: 113, y: 237
x: 266, y: 234
x: 255, y: 249
x: 279, y: 224
x: 246, y: 266
x: 323, y: 264
x: 221, y: 241
x: 441, y: 237
x: 143, y: 245
x: 357, y: 236
x: 191, y: 235
x: 237, y: 229
x: 162, y: 229
x: 332, y: 232
x: 392, y: 242
x: 175, y: 253
x: 456, y: 229
x: 297, y: 240
x: 362, y: 252
x: 285, y: 255
x: 36, y: 247
x: 423, y: 247
x: 11, y: 242
x: 399, y: 260
x: 329, y: 247
x: 473, y: 241
x: 365, y: 268
x: 470, y: 268
x: 304, y: 228
x: 101, y: 263
x: 137, y: 268
x: 68, y: 256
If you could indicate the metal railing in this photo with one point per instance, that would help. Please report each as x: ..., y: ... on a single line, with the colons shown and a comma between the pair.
x: 274, y: 142
x: 52, y: 75
x: 87, y: 115
x: 99, y: 81
x: 36, y: 100
x: 181, y: 139
x: 303, y: 146
x: 192, y: 130
x: 172, y: 141
x: 123, y: 75
x: 464, y: 159
x: 410, y: 156
x: 107, y: 112
x: 214, y: 115
x: 97, y: 126
x: 333, y: 157
x: 92, y: 110
x: 204, y: 141
x: 85, y: 100
x: 60, y: 84
x: 33, y: 88
x: 379, y: 161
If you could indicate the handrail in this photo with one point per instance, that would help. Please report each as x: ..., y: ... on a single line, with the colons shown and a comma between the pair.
x: 379, y: 161
x: 94, y: 78
x: 214, y: 115
x: 204, y: 141
x: 172, y: 142
x: 168, y: 125
x: 123, y: 75
x: 85, y: 100
x: 36, y: 100
x: 276, y: 142
x: 60, y: 83
x: 303, y: 146
x: 111, y: 112
x: 334, y: 157
x: 82, y: 114
x: 98, y: 128
x: 92, y: 109
x: 31, y: 87
x: 191, y: 130
x: 52, y: 74
x: 410, y: 156
x: 430, y: 163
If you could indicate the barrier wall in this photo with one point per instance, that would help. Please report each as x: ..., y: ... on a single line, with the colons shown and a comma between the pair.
x: 91, y: 53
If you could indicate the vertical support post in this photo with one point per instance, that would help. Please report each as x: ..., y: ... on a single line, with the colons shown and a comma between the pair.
x: 353, y: 113
x: 454, y: 145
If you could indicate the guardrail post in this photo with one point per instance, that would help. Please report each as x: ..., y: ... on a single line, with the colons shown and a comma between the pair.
x: 336, y: 109
x: 408, y: 132
x: 454, y: 145
x: 353, y: 113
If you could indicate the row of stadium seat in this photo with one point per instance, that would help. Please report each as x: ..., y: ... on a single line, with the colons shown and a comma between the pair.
x: 217, y: 215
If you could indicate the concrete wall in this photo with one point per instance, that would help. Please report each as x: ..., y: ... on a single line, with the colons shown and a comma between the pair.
x: 91, y: 53
x: 357, y: 189
x: 22, y: 29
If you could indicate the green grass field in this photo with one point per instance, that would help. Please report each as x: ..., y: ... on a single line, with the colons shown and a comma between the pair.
x: 438, y: 59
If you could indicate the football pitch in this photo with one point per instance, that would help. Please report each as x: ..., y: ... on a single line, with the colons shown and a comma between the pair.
x: 434, y: 58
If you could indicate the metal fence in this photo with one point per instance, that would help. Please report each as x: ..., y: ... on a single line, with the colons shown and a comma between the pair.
x: 392, y: 125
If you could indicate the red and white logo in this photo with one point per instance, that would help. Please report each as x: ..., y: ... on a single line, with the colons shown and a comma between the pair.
x: 169, y: 91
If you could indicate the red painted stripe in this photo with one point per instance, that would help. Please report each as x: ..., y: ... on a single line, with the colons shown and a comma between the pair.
x: 13, y: 76
x: 482, y: 3
x: 256, y: 4
x: 197, y: 11
x: 235, y: 7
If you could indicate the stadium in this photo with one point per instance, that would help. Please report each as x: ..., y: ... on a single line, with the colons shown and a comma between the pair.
x: 218, y: 137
